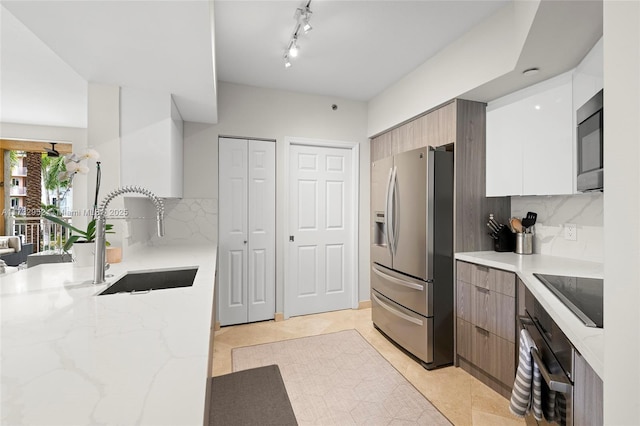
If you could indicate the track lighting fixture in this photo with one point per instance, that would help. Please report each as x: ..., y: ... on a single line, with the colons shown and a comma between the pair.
x: 305, y: 16
x: 293, y: 47
x: 302, y: 16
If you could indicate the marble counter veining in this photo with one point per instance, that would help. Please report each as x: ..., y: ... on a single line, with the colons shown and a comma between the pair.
x: 588, y: 341
x: 72, y: 357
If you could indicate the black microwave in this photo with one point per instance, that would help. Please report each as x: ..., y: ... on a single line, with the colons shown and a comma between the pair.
x: 590, y: 145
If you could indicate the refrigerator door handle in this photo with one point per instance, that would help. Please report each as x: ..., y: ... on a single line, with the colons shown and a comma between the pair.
x: 396, y: 208
x: 397, y: 280
x: 397, y: 312
x: 391, y: 204
x: 387, y: 218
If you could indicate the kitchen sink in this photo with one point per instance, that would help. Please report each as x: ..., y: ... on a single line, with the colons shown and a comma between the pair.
x: 145, y: 281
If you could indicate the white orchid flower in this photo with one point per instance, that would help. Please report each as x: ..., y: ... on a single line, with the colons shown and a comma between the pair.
x: 72, y: 167
x: 82, y: 169
x: 71, y: 158
x: 92, y: 154
x: 63, y: 176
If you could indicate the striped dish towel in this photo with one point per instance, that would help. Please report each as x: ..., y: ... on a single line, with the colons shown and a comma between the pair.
x: 527, y: 392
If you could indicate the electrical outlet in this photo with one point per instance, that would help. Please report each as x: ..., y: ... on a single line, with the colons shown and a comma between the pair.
x: 570, y: 232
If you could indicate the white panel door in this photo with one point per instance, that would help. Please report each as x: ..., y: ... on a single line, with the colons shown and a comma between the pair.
x: 232, y: 231
x: 261, y: 226
x: 246, y: 231
x: 320, y: 246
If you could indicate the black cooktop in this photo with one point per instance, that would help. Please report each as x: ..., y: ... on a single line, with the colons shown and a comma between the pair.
x: 583, y: 296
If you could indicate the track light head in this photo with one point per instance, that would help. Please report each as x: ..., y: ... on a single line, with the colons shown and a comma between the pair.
x: 305, y: 16
x: 293, y: 47
x: 306, y: 27
x: 287, y: 62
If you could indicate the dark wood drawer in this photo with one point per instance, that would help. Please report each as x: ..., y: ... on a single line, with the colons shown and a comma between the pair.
x: 490, y: 310
x: 497, y: 280
x: 494, y: 355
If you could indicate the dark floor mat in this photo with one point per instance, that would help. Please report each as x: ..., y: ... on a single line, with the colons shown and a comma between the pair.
x: 251, y: 397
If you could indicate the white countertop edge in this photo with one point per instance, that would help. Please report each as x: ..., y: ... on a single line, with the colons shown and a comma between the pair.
x: 587, y: 340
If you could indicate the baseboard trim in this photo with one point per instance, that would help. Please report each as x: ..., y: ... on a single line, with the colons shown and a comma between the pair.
x: 216, y: 326
x: 364, y: 304
x: 278, y: 316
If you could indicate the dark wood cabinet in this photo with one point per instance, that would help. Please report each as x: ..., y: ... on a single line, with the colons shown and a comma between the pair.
x: 587, y: 394
x: 486, y: 325
x: 381, y: 147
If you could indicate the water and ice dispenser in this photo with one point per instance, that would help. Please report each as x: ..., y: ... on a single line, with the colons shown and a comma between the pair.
x: 380, y: 229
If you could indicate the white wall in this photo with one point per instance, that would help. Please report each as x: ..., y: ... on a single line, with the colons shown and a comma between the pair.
x: 489, y: 50
x: 622, y: 212
x: 271, y: 114
x: 104, y: 136
x: 73, y: 135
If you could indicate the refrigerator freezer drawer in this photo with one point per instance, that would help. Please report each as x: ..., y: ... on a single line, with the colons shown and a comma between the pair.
x: 409, y: 292
x: 408, y: 329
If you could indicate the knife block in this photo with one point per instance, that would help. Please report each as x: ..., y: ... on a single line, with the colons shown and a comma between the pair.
x: 506, y: 240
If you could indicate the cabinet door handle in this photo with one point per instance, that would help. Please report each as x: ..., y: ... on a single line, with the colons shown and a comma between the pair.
x: 483, y: 290
x: 484, y: 331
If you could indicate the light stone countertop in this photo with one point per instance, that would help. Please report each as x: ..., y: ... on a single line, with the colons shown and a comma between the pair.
x: 71, y: 357
x: 587, y: 340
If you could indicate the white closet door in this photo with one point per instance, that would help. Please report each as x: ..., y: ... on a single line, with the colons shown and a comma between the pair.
x: 232, y: 231
x: 320, y: 246
x: 246, y: 231
x: 261, y: 227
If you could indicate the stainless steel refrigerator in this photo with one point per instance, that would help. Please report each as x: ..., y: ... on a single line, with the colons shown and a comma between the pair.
x: 412, y: 252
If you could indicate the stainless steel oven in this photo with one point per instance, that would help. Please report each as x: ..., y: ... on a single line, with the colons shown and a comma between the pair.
x: 555, y: 356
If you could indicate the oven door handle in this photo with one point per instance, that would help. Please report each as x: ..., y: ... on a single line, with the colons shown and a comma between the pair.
x: 556, y: 382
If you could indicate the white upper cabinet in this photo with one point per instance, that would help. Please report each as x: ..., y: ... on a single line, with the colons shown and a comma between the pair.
x: 151, y: 142
x: 588, y: 76
x: 530, y: 140
x: 531, y: 133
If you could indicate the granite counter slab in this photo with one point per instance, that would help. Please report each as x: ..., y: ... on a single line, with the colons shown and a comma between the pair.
x: 588, y: 341
x: 72, y: 357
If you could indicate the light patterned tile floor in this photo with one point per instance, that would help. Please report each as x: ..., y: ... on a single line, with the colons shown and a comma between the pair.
x: 459, y: 396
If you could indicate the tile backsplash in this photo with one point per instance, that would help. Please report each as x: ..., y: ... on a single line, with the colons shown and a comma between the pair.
x: 189, y: 220
x: 583, y: 210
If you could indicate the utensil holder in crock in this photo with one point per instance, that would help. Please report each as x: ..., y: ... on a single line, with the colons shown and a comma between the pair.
x: 524, y: 243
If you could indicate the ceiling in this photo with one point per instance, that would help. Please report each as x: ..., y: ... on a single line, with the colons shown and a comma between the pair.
x: 50, y: 49
x: 164, y: 46
x: 355, y: 50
